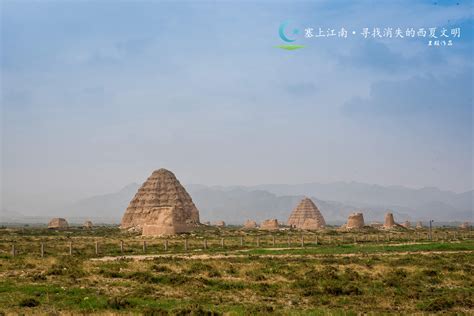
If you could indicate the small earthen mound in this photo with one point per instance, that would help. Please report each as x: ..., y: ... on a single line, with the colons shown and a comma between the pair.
x: 161, y: 207
x: 58, y: 223
x: 377, y: 225
x: 355, y: 221
x: 87, y: 224
x: 249, y: 224
x: 406, y: 224
x: 219, y: 224
x: 269, y: 224
x: 389, y: 221
x: 465, y: 225
x: 306, y: 210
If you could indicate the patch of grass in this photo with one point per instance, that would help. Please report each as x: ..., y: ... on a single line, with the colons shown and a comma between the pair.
x: 355, y: 249
x: 316, y: 280
x: 67, y: 266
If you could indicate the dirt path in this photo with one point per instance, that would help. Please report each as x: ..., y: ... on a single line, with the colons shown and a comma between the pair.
x: 241, y: 255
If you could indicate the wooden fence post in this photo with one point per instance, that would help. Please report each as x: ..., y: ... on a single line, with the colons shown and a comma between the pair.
x: 222, y: 242
x: 96, y: 247
x: 241, y: 241
x: 302, y: 240
x: 42, y: 250
x: 316, y: 240
x: 13, y: 250
x: 166, y: 244
x: 70, y: 248
x: 185, y: 244
x: 144, y: 246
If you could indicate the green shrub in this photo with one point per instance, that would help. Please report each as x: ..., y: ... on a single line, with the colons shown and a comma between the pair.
x: 199, y: 267
x: 38, y: 277
x: 160, y: 268
x: 118, y: 303
x: 430, y: 273
x: 110, y: 274
x: 437, y: 304
x: 154, y: 311
x: 395, y: 278
x: 29, y: 302
x: 194, y: 310
x: 218, y: 284
x: 67, y: 266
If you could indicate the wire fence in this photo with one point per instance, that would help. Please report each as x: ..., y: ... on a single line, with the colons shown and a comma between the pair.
x: 115, y: 246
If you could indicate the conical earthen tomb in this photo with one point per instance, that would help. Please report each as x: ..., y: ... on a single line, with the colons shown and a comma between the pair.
x: 306, y: 216
x: 161, y: 207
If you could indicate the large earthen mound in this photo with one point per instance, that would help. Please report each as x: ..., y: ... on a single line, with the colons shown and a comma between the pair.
x: 58, y: 223
x: 311, y: 224
x: 355, y: 221
x: 269, y: 224
x: 161, y: 207
x: 306, y: 212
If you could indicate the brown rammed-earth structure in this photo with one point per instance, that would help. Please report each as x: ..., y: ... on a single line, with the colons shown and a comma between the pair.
x: 250, y: 224
x: 355, y: 221
x: 269, y: 224
x: 220, y: 224
x: 58, y: 223
x: 389, y: 221
x: 87, y: 224
x: 161, y: 207
x: 306, y: 216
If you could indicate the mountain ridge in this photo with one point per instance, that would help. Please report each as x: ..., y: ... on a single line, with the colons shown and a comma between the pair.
x: 236, y: 203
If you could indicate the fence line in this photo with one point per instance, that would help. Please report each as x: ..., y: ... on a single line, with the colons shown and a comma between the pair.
x: 228, y: 242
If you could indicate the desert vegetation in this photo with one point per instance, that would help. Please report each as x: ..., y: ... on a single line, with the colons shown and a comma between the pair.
x: 335, y: 272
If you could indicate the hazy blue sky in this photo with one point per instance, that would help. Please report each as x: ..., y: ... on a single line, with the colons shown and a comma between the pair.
x: 97, y: 94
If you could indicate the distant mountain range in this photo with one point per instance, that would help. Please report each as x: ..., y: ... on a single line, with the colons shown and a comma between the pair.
x: 235, y: 204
